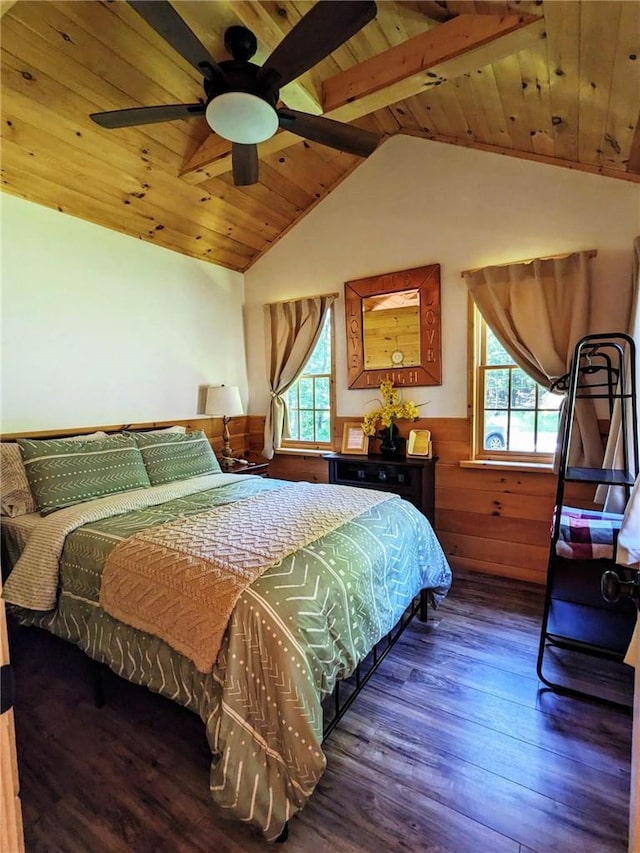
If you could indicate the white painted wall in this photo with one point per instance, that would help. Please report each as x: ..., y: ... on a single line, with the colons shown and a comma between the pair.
x: 100, y: 328
x: 415, y: 202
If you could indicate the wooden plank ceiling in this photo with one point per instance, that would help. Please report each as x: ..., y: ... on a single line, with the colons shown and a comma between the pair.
x: 552, y: 81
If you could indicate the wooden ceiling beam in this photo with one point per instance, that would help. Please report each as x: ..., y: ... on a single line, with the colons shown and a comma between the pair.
x: 457, y: 47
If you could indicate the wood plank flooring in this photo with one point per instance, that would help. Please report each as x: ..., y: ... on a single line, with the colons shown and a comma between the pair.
x: 452, y: 746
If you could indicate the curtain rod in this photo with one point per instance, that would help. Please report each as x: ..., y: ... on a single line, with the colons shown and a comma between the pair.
x: 591, y: 253
x: 315, y: 296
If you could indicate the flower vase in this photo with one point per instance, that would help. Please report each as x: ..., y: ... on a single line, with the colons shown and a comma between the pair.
x: 390, y: 443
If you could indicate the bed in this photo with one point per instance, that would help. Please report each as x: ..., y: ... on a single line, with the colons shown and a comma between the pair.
x: 242, y: 598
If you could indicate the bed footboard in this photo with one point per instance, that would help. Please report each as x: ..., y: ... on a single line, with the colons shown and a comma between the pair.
x: 345, y: 692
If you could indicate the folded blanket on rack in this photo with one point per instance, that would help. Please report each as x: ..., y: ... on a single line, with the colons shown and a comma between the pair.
x: 587, y: 534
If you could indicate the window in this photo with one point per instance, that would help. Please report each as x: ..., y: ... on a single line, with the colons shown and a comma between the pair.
x: 515, y: 418
x: 310, y: 400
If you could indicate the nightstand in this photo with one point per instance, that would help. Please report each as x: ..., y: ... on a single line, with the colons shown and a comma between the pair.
x: 258, y: 469
x: 412, y: 478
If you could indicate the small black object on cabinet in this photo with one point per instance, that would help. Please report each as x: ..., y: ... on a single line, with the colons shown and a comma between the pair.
x: 412, y: 479
x: 583, y: 609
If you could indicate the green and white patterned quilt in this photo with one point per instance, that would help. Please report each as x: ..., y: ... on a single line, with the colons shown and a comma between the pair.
x: 301, y: 626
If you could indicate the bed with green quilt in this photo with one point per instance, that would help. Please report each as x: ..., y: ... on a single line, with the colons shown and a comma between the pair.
x: 244, y: 599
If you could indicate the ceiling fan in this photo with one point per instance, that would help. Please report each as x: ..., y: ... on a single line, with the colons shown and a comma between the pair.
x: 241, y: 98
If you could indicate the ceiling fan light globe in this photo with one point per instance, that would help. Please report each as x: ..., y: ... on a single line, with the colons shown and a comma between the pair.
x: 242, y: 117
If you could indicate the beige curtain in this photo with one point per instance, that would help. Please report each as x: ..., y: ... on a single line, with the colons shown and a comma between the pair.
x: 614, y: 498
x: 292, y: 330
x: 539, y: 310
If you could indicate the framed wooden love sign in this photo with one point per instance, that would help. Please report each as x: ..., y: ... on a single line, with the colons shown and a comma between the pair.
x: 393, y: 328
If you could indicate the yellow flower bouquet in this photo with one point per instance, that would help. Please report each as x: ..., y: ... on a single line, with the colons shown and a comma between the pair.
x: 392, y: 409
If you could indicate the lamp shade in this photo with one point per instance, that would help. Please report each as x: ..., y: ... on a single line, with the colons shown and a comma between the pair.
x: 223, y: 401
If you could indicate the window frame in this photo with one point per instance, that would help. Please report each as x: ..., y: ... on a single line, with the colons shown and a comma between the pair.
x: 297, y: 444
x: 478, y: 370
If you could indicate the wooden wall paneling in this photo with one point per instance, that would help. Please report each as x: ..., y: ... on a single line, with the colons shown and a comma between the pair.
x: 420, y: 113
x: 87, y: 66
x: 255, y: 200
x: 404, y: 115
x: 518, y: 571
x: 450, y: 451
x: 599, y: 22
x: 563, y: 55
x: 508, y: 76
x: 387, y: 121
x: 489, y: 479
x: 302, y: 165
x: 465, y: 94
x: 494, y: 553
x: 534, y: 507
x: 625, y: 85
x: 144, y: 64
x: 212, y: 428
x: 272, y: 176
x: 446, y: 116
x: 260, y: 195
x: 169, y: 64
x: 535, y: 77
x: 298, y: 466
x: 525, y: 531
x: 483, y: 88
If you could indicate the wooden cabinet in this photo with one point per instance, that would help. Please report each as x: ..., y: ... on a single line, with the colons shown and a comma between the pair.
x: 412, y: 479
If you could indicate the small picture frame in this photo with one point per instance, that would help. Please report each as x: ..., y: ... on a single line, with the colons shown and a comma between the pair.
x: 419, y: 443
x: 354, y: 441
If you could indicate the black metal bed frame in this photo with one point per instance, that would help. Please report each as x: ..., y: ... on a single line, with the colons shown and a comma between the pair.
x: 370, y: 664
x: 358, y: 679
x: 419, y: 606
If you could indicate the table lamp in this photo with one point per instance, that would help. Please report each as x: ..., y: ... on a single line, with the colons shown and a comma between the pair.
x: 224, y: 401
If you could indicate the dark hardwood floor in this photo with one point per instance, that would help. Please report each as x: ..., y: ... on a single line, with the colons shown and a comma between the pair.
x: 452, y: 746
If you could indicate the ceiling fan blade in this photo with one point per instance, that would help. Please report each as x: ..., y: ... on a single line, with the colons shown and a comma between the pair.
x: 325, y: 27
x: 164, y: 19
x: 335, y: 134
x: 244, y: 161
x: 147, y: 115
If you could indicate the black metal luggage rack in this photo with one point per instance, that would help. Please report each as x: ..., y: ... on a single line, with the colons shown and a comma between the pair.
x: 589, y: 603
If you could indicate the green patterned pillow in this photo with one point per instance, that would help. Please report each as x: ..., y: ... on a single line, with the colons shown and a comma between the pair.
x: 63, y: 473
x: 172, y: 456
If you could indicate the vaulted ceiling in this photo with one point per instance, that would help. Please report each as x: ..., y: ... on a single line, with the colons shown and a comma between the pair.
x: 552, y: 81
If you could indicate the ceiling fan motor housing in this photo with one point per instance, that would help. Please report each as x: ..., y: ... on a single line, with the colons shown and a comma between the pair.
x: 240, y: 76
